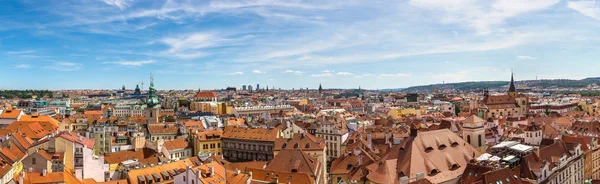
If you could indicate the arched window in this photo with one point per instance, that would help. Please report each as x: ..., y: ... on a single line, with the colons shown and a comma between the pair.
x: 469, y: 139
x: 479, y: 140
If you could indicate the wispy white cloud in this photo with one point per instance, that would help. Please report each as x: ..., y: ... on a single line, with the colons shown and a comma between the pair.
x: 327, y: 71
x: 131, y: 63
x: 257, y: 72
x: 586, y: 7
x: 64, y: 66
x: 197, y: 44
x: 526, y: 58
x: 19, y: 52
x: 295, y: 72
x: 236, y: 73
x: 121, y: 4
x: 322, y: 75
x: 344, y: 73
x: 395, y: 75
x: 22, y: 66
x: 482, y: 17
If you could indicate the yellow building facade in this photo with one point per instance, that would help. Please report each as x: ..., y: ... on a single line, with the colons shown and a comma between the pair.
x: 219, y: 108
x: 208, y: 142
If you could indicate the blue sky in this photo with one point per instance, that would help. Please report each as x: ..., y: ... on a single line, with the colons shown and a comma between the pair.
x: 82, y: 44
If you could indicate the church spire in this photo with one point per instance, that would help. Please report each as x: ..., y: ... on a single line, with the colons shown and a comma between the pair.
x: 320, y: 88
x: 512, y: 83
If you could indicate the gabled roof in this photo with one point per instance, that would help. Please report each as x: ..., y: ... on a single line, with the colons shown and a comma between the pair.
x: 10, y: 113
x: 176, y: 144
x: 473, y: 121
x: 77, y: 139
x: 440, y: 154
x: 303, y: 141
x: 205, y: 94
x: 294, y: 160
x: 254, y: 134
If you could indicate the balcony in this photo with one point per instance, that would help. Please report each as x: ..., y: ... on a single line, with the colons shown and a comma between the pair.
x: 78, y: 154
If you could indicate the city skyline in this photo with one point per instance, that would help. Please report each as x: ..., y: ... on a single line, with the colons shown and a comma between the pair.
x: 292, y: 44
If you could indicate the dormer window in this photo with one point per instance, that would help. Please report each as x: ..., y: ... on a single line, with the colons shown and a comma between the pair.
x: 434, y: 172
x: 441, y: 147
x: 428, y: 149
x: 454, y: 166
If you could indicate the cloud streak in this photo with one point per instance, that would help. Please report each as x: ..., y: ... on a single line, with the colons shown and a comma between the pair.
x: 131, y: 63
x: 525, y: 58
x: 65, y: 66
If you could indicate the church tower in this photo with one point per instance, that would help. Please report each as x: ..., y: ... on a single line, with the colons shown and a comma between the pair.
x: 152, y: 110
x: 474, y: 132
x: 512, y: 91
x: 320, y: 89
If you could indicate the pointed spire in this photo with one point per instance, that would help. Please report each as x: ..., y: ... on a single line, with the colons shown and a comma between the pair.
x: 320, y: 88
x: 512, y: 83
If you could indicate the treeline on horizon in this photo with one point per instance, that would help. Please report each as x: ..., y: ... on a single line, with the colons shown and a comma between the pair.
x: 24, y: 93
x: 479, y: 85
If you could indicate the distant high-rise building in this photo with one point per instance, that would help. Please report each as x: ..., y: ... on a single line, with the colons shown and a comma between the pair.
x: 257, y: 87
x: 250, y: 88
x: 244, y: 87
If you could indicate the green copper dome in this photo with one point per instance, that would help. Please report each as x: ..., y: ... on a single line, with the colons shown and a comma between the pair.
x: 152, y: 99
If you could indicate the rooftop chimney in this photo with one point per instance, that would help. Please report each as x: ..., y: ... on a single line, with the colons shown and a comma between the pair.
x: 404, y: 180
x: 420, y: 175
x: 45, y: 172
x: 21, y: 177
x: 369, y: 140
x: 413, y: 131
x: 211, y: 171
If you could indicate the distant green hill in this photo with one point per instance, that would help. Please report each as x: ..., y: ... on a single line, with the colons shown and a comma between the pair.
x: 478, y: 85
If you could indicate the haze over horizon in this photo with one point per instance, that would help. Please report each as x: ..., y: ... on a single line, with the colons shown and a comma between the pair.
x: 292, y: 44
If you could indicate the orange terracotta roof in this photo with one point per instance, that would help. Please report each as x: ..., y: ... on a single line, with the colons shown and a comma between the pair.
x: 10, y: 113
x: 209, y: 135
x: 205, y: 94
x: 51, y: 177
x: 165, y: 168
x: 145, y: 155
x: 162, y: 129
x: 92, y: 112
x: 93, y: 181
x: 294, y: 160
x: 440, y: 152
x: 77, y: 139
x: 256, y: 134
x: 303, y: 141
x: 283, y: 177
x: 176, y: 144
x: 34, y: 130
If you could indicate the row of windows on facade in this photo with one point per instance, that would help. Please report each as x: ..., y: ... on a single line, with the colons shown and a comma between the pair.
x: 180, y: 154
x: 212, y: 146
x: 163, y: 137
x: 251, y: 147
x: 248, y: 156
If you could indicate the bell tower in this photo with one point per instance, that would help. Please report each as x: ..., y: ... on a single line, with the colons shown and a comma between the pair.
x: 474, y: 132
x: 151, y: 113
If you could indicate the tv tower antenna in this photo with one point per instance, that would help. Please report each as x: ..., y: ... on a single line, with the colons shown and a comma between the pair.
x: 142, y: 83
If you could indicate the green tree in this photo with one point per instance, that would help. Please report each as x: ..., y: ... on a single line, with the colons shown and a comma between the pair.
x: 456, y: 108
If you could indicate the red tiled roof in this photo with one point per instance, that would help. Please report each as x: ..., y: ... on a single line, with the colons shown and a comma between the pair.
x: 176, y: 144
x: 10, y: 113
x: 205, y: 94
